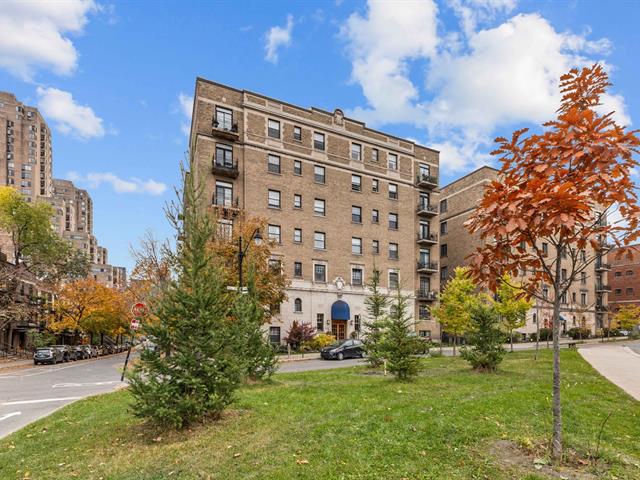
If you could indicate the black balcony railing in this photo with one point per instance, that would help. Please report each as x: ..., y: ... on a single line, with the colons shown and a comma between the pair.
x: 427, y: 237
x: 226, y: 168
x: 428, y: 295
x: 425, y: 208
x: 220, y: 201
x: 603, y: 288
x: 602, y: 266
x: 226, y: 129
x: 427, y: 180
x: 432, y: 266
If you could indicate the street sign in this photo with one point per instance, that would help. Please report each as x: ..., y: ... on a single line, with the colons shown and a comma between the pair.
x: 139, y: 310
x: 135, y: 324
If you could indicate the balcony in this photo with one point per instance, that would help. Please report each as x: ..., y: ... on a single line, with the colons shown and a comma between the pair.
x: 426, y: 210
x: 427, y: 267
x: 603, y: 288
x: 427, y: 239
x: 427, y: 181
x: 225, y: 130
x: 602, y: 267
x: 602, y: 308
x: 427, y: 295
x: 225, y: 168
x: 226, y: 208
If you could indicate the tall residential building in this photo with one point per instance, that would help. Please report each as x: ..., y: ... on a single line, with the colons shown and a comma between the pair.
x: 25, y: 148
x: 73, y: 219
x: 339, y: 198
x: 624, y: 277
x: 584, y: 305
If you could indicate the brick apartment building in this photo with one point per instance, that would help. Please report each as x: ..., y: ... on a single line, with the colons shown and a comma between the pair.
x: 624, y: 277
x: 585, y: 305
x: 339, y: 197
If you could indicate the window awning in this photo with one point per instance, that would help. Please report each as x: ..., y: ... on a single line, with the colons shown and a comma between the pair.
x: 340, y: 310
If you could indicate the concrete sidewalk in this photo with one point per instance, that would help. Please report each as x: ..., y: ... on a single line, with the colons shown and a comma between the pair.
x: 617, y: 363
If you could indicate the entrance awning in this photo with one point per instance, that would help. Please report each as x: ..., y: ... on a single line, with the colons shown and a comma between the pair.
x: 340, y: 310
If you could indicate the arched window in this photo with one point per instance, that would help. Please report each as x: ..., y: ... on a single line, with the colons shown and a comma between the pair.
x: 297, y: 305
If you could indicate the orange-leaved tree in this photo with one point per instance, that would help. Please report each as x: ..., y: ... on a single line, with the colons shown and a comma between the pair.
x: 88, y: 306
x: 556, y: 188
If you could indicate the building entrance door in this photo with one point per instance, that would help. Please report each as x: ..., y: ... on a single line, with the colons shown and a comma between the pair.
x: 339, y: 329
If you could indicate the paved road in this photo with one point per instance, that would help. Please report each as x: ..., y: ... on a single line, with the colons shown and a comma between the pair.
x: 27, y: 395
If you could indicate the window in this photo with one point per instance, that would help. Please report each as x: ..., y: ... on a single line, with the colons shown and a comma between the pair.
x: 273, y: 129
x: 618, y: 291
x: 618, y: 274
x: 444, y: 273
x: 297, y: 134
x: 629, y: 291
x: 273, y: 163
x: 392, y: 161
x: 274, y: 199
x: 545, y: 248
x: 224, y: 119
x: 583, y: 298
x: 357, y: 324
x: 563, y: 298
x: 356, y: 152
x: 356, y: 183
x: 375, y: 247
x: 319, y: 206
x: 297, y: 235
x: 274, y: 233
x: 274, y: 335
x: 318, y: 174
x: 320, y: 322
x: 375, y: 216
x: 297, y: 269
x: 297, y: 200
x: 393, y: 221
x: 393, y: 279
x: 356, y: 246
x: 583, y: 255
x: 375, y: 185
x: 443, y: 250
x: 393, y: 251
x: 356, y: 276
x: 297, y: 167
x: 297, y: 305
x: 318, y: 141
x: 225, y: 229
x: 275, y: 266
x: 224, y: 194
x: 393, y: 191
x: 374, y: 155
x: 628, y: 273
x: 563, y: 253
x: 443, y: 228
x: 443, y: 206
x: 573, y: 297
x: 320, y: 273
x: 563, y: 274
x: 356, y: 214
x: 224, y: 155
x: 319, y: 241
x: 583, y: 278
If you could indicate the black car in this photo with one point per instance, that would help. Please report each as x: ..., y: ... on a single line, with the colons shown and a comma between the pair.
x: 65, y: 350
x: 80, y: 352
x: 343, y: 349
x: 47, y: 355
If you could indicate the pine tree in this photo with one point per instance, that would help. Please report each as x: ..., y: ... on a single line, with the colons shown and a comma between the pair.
x: 399, y: 344
x: 196, y: 368
x: 376, y: 304
x: 486, y: 338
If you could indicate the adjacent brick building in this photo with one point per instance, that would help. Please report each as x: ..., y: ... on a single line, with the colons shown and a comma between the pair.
x: 624, y: 277
x: 585, y: 305
x: 339, y: 197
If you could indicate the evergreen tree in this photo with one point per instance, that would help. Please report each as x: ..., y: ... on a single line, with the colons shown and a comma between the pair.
x: 376, y: 304
x: 196, y: 368
x: 399, y: 344
x: 486, y: 338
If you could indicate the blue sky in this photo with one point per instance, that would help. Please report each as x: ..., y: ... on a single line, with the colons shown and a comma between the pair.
x: 114, y: 80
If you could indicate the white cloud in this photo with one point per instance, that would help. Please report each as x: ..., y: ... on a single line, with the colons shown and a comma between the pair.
x: 475, y: 81
x: 185, y: 103
x: 69, y: 116
x: 119, y: 185
x: 380, y: 45
x: 36, y: 35
x: 276, y: 38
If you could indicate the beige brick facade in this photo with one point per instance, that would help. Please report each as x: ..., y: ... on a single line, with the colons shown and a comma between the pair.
x: 232, y: 127
x: 585, y: 304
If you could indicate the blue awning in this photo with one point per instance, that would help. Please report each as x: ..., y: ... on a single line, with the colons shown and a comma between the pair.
x: 340, y: 310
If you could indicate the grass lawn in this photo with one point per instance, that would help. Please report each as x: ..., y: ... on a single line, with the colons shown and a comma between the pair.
x: 451, y: 423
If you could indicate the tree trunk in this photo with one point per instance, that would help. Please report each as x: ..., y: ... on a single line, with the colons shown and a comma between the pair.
x: 455, y: 337
x: 556, y: 443
x: 511, y: 339
x: 537, y: 334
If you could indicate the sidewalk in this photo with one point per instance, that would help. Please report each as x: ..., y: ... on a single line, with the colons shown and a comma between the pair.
x: 617, y: 363
x: 11, y: 365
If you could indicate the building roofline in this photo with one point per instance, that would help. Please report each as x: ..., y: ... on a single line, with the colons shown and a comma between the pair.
x: 312, y: 109
x: 469, y: 174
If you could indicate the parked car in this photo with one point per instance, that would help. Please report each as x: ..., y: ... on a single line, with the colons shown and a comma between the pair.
x: 81, y: 352
x: 91, y: 350
x: 47, y: 355
x: 66, y: 352
x: 343, y: 349
x: 111, y: 349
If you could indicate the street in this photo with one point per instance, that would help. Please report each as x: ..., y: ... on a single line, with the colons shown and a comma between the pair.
x: 30, y: 394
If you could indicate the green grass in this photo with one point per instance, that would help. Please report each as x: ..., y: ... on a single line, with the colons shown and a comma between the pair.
x: 344, y: 424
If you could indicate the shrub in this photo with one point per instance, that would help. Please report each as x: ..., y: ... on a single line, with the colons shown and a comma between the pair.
x: 578, y: 333
x: 299, y: 334
x: 486, y: 339
x: 545, y: 334
x: 318, y: 342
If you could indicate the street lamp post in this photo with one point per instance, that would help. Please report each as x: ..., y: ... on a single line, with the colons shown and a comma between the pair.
x: 242, y: 252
